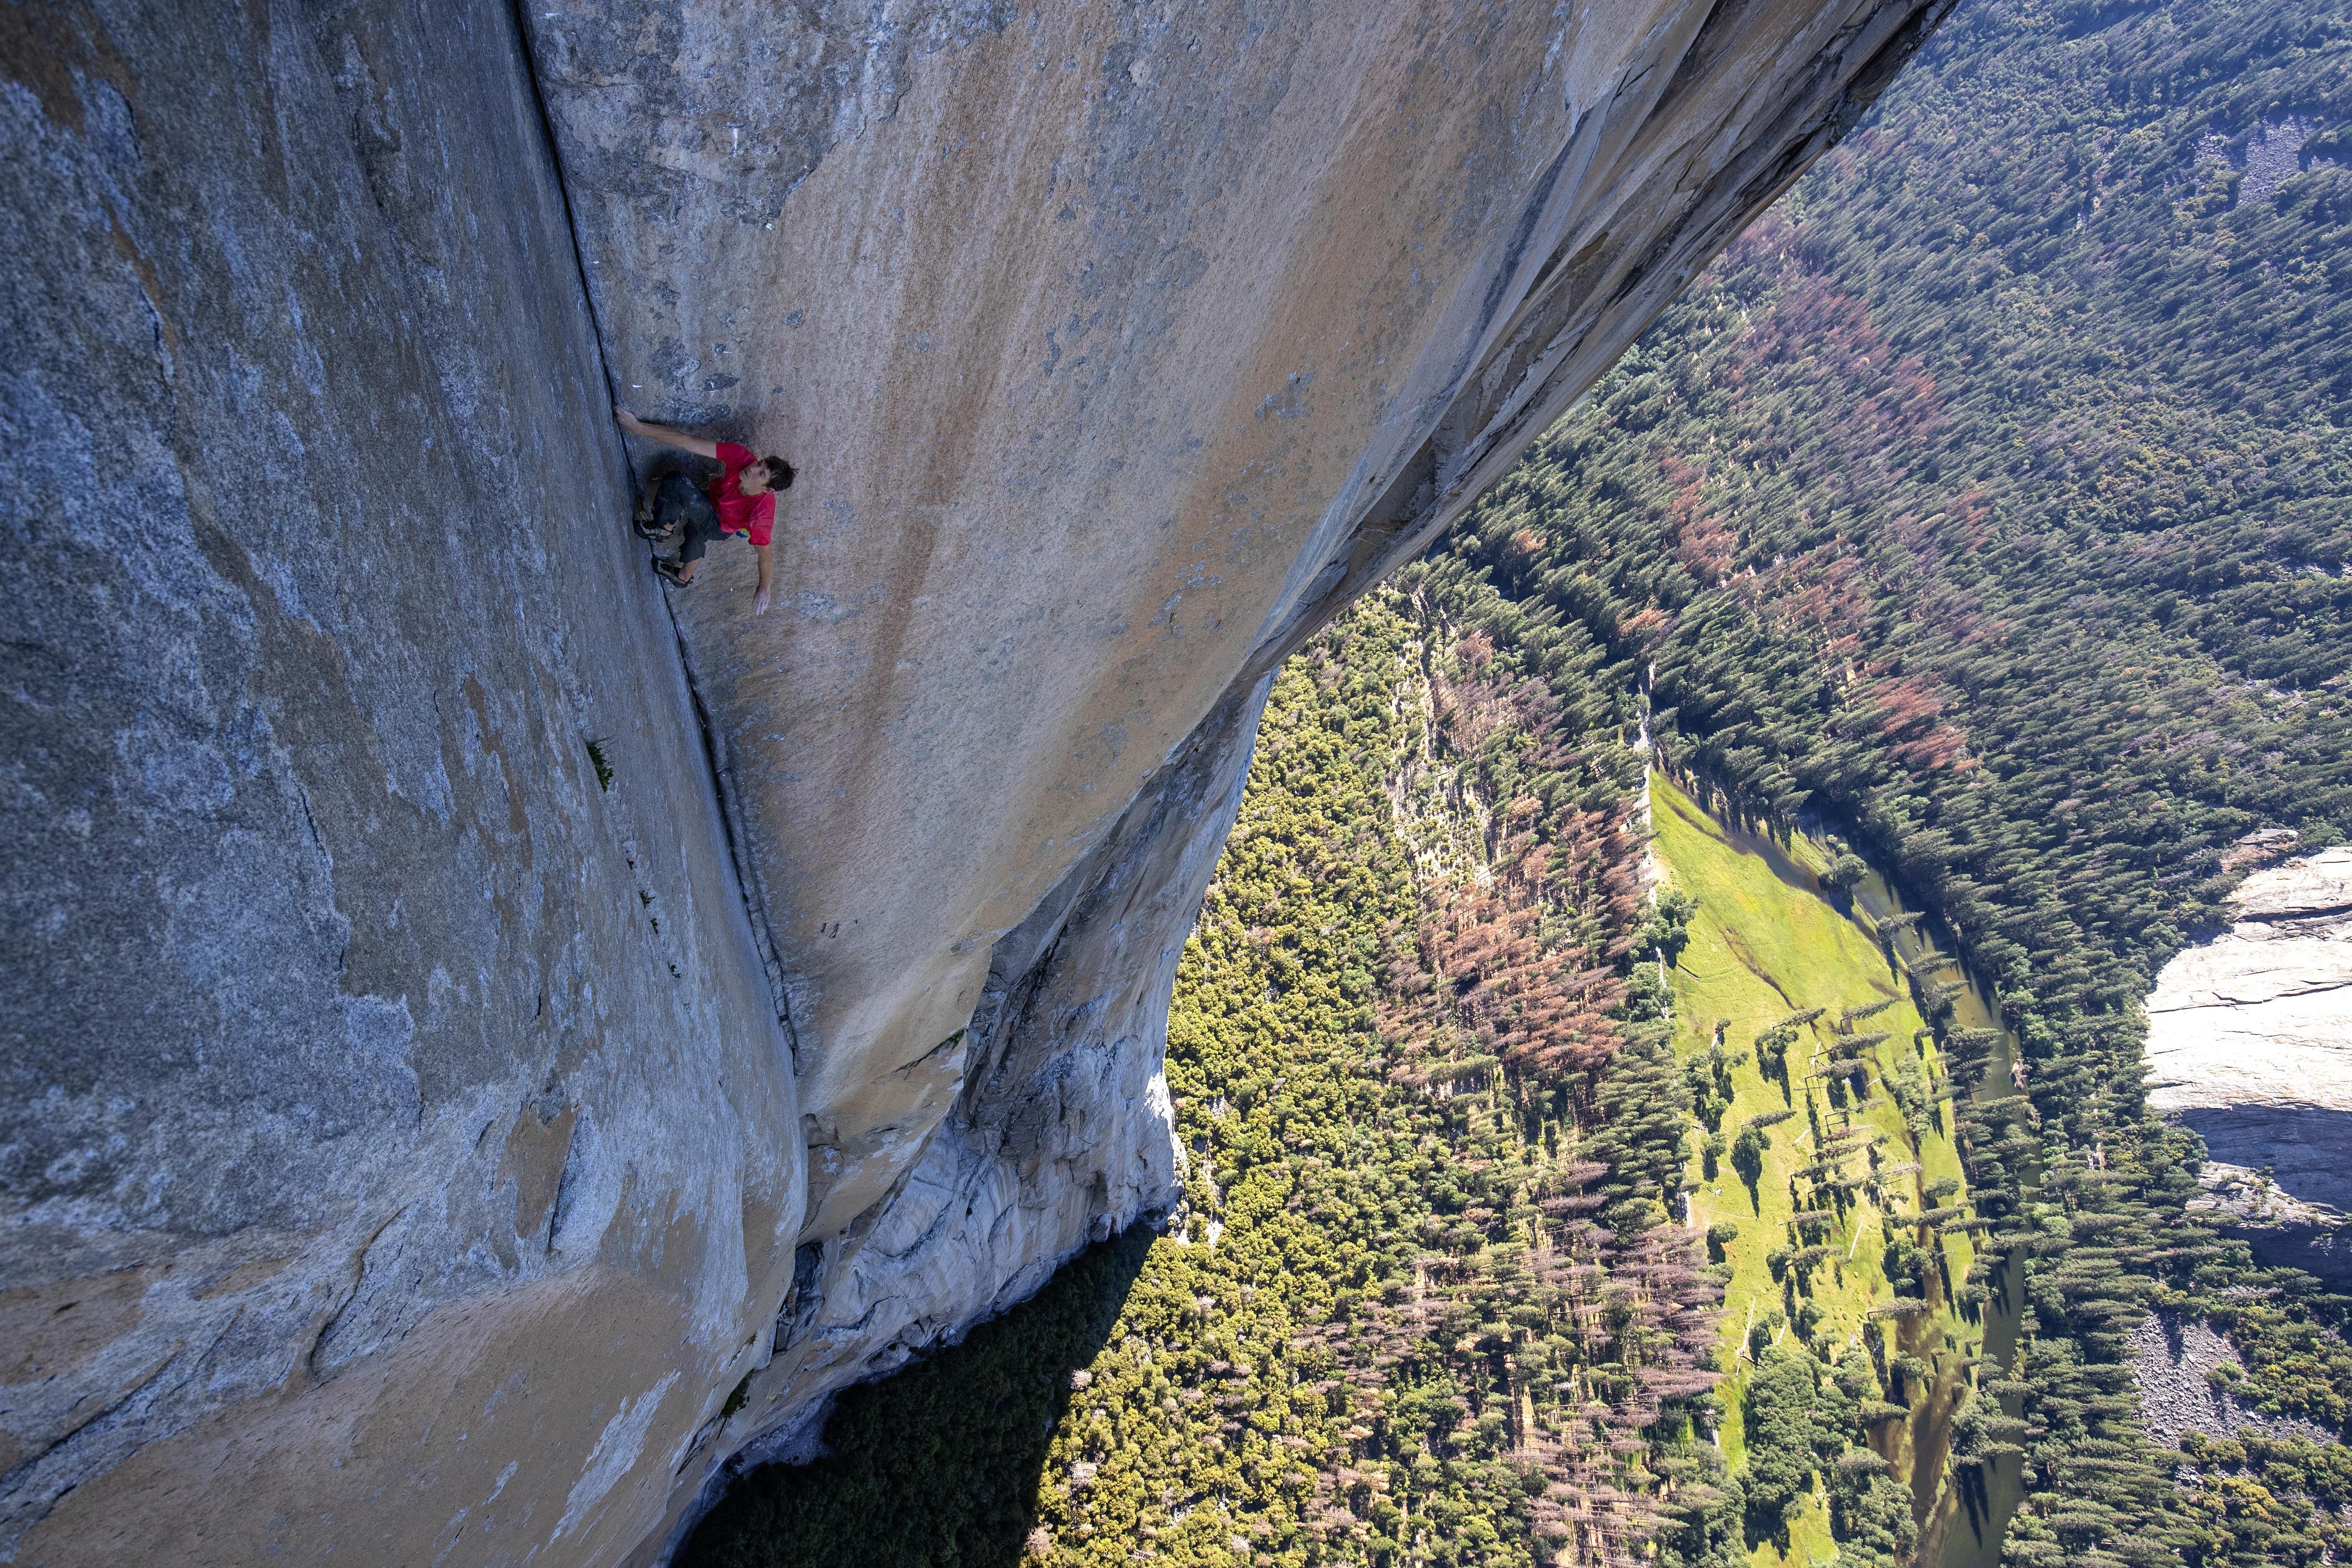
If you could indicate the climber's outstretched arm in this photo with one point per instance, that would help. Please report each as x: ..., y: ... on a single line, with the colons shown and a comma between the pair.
x: 664, y: 434
x: 767, y: 575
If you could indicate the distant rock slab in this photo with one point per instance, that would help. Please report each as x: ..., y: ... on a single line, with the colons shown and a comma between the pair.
x: 2250, y: 1043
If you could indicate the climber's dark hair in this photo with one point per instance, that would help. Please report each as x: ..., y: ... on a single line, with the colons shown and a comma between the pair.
x: 780, y: 473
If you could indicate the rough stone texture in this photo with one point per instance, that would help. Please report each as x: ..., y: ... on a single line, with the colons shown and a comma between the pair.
x: 407, y: 1142
x: 372, y: 1182
x: 1061, y: 1134
x: 2250, y: 1043
x: 2174, y: 1360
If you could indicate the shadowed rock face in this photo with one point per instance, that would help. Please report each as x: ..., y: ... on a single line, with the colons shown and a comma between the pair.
x: 399, y: 1139
x: 412, y: 1138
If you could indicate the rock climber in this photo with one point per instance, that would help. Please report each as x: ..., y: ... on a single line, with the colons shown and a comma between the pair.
x: 740, y: 503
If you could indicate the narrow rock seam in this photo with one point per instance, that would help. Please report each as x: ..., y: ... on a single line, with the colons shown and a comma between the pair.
x: 713, y: 759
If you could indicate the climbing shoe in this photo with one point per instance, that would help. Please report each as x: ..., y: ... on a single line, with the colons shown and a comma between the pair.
x: 668, y: 570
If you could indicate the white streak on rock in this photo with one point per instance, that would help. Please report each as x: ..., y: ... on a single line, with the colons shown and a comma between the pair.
x: 615, y: 1454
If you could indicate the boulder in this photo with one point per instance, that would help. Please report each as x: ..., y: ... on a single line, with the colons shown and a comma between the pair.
x: 2185, y: 1369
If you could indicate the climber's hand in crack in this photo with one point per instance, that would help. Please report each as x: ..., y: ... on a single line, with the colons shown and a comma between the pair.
x: 741, y: 503
x: 627, y: 420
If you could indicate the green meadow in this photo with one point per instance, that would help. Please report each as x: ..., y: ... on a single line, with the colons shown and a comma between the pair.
x: 1769, y: 944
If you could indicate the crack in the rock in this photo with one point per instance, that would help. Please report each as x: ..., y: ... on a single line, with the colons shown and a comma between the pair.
x: 2295, y: 917
x: 2221, y: 1001
x: 738, y: 838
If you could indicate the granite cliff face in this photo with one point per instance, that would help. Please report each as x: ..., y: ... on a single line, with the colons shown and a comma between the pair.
x: 430, y: 1138
x: 400, y: 1139
x: 2249, y: 1042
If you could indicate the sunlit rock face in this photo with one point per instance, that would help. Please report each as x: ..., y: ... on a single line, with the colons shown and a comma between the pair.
x: 421, y: 1143
x: 2250, y: 1043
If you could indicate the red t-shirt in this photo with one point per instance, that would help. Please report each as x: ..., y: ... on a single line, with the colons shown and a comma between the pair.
x: 740, y: 513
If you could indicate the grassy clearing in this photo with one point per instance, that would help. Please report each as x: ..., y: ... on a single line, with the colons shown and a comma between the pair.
x: 1765, y: 945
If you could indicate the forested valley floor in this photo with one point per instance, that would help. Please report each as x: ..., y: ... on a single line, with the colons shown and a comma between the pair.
x: 1428, y: 1298
x: 1979, y: 531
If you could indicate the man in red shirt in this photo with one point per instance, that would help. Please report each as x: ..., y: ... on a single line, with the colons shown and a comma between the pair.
x: 741, y: 503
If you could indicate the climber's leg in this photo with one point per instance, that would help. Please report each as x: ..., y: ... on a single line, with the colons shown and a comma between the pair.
x: 666, y: 500
x: 698, y: 521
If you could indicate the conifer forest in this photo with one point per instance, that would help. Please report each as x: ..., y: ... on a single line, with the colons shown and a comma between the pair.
x: 1660, y: 1062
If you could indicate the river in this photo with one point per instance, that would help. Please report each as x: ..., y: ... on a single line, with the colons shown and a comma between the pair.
x: 1964, y: 1525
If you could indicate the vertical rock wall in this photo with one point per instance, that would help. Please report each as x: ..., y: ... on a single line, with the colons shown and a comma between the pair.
x: 415, y: 1148
x: 379, y: 1179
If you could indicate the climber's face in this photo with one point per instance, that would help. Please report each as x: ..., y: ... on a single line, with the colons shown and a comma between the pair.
x: 753, y: 480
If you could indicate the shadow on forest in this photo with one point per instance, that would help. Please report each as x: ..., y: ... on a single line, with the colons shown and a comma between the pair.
x: 938, y: 1466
